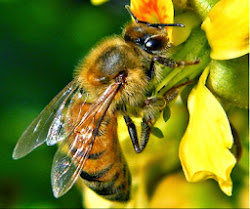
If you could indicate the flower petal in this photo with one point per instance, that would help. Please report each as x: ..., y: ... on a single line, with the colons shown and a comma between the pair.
x: 161, y: 11
x: 98, y: 2
x: 227, y: 29
x: 204, y: 149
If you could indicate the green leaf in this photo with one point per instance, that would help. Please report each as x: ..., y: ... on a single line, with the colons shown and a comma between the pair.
x: 157, y: 132
x: 166, y: 113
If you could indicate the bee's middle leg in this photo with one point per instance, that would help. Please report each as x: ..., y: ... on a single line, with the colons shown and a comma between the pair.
x: 145, y: 132
x: 152, y: 108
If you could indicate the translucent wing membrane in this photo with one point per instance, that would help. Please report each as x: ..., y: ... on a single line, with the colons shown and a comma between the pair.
x: 73, y: 152
x: 62, y: 126
x: 68, y: 162
x: 36, y: 133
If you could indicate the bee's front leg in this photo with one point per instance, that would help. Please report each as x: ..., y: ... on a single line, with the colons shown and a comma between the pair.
x: 173, y: 64
x: 150, y: 73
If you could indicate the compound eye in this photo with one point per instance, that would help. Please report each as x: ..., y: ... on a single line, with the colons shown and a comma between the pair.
x: 153, y: 44
x: 156, y: 43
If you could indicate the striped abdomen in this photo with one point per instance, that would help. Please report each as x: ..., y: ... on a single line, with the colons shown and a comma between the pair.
x: 106, y: 171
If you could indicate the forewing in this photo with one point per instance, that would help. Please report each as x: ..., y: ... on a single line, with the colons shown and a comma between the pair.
x: 73, y: 152
x: 63, y: 123
x: 37, y: 131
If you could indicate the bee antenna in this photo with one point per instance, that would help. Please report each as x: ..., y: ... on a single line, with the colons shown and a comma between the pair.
x: 156, y: 25
x: 131, y: 13
x: 163, y: 24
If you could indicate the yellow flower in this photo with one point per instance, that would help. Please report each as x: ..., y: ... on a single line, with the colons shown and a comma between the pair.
x: 227, y: 29
x: 204, y: 149
x: 98, y: 2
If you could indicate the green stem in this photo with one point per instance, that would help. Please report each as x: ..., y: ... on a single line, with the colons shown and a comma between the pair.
x: 167, y: 80
x: 196, y: 47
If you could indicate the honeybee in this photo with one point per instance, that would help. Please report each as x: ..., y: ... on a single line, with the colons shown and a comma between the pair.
x: 115, y: 78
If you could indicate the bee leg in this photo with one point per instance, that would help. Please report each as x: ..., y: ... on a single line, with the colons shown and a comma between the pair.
x: 133, y: 134
x: 145, y: 132
x: 171, y: 94
x: 150, y: 73
x: 173, y: 64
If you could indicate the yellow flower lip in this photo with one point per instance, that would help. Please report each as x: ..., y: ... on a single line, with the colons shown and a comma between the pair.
x: 204, y: 149
x: 227, y: 29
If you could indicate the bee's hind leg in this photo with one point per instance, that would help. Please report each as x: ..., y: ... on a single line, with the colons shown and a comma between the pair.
x: 145, y: 132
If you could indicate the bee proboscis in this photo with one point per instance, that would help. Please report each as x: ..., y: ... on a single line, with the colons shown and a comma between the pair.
x: 115, y: 78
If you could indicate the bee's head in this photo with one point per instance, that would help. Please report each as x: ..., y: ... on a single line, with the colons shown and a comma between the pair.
x: 152, y: 38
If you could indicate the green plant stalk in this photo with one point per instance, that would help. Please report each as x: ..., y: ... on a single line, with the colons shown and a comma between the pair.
x: 196, y: 47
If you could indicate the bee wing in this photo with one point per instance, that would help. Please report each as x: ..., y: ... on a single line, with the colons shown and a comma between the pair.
x: 73, y: 153
x: 61, y: 127
x: 37, y: 131
x: 67, y: 164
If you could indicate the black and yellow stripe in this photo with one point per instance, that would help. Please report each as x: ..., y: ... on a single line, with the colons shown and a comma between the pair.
x: 106, y: 171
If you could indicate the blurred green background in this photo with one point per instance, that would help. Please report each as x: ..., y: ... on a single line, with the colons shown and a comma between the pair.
x: 40, y: 43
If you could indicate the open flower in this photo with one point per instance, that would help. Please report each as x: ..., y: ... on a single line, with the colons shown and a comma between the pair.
x: 204, y: 148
